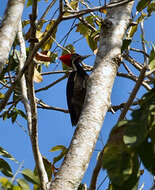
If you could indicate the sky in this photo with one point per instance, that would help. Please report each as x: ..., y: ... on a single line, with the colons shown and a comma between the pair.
x: 55, y: 127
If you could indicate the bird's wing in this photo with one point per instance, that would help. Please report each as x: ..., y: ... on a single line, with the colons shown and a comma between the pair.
x: 76, y: 90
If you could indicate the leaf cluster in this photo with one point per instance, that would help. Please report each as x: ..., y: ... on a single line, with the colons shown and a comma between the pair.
x: 130, y: 143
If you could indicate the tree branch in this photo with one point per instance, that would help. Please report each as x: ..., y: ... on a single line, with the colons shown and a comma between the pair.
x: 134, y: 78
x: 45, y: 106
x: 96, y: 171
x: 118, y: 107
x: 77, y: 14
x: 31, y: 94
x: 8, y: 28
x: 139, y: 51
x: 28, y: 61
x: 97, y: 101
x: 132, y: 61
x: 46, y: 11
x: 133, y: 94
x: 146, y: 59
x: 52, y: 84
x: 22, y: 59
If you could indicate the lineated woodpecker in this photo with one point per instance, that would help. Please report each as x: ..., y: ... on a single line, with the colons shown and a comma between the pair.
x: 76, y: 85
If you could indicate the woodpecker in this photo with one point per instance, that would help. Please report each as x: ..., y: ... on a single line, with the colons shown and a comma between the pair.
x: 76, y: 85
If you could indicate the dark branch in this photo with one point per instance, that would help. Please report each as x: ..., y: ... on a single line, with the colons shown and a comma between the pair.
x: 133, y: 94
x: 77, y: 14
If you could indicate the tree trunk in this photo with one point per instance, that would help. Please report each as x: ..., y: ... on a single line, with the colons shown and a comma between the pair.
x: 97, y: 99
x: 8, y: 28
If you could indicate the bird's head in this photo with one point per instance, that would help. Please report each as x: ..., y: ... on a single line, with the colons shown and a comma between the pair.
x: 70, y: 59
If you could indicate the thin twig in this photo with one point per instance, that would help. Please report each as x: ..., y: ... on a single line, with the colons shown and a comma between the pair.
x: 88, y: 68
x: 120, y: 106
x: 87, y: 6
x: 32, y: 53
x: 55, y: 72
x: 58, y: 45
x: 150, y: 72
x: 21, y: 126
x: 139, y: 51
x: 142, y: 187
x: 17, y: 172
x: 31, y: 94
x: 102, y: 182
x: 127, y: 68
x: 93, y: 29
x: 66, y: 35
x: 134, y: 78
x: 22, y: 59
x: 133, y: 94
x: 5, y: 85
x: 96, y: 171
x: 46, y: 11
x: 136, y: 64
x: 52, y: 84
x: 77, y: 14
x: 45, y: 106
x: 146, y: 59
x: 61, y: 7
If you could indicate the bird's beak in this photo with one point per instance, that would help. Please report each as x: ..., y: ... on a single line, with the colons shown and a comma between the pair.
x: 84, y: 57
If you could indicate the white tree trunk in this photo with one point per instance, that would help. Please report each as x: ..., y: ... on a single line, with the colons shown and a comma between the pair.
x: 8, y: 28
x: 97, y: 99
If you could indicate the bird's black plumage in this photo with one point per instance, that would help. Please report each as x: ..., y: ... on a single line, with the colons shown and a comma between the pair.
x: 76, y: 90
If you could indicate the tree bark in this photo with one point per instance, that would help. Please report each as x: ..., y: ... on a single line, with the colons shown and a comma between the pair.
x: 97, y: 99
x: 8, y: 28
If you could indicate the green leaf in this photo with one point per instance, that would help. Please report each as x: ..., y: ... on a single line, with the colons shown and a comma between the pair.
x: 115, y: 154
x: 48, y: 168
x: 125, y: 45
x: 135, y: 133
x: 16, y: 187
x: 5, y: 115
x: 29, y: 3
x: 14, y: 117
x: 61, y: 155
x: 151, y: 8
x: 147, y: 155
x: 5, y: 154
x: 48, y: 44
x: 128, y: 172
x: 23, y: 184
x: 142, y: 4
x: 68, y: 49
x: 90, y: 36
x: 5, y: 183
x: 2, y: 95
x: 58, y: 148
x: 74, y: 4
x: 13, y: 63
x: 22, y: 114
x: 152, y: 58
x: 83, y: 29
x: 25, y: 22
x: 133, y: 28
x: 5, y: 168
x: 92, y: 43
x: 121, y: 163
x: 30, y: 176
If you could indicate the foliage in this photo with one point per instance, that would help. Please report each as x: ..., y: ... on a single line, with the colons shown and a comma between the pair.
x: 128, y: 143
x: 128, y: 140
